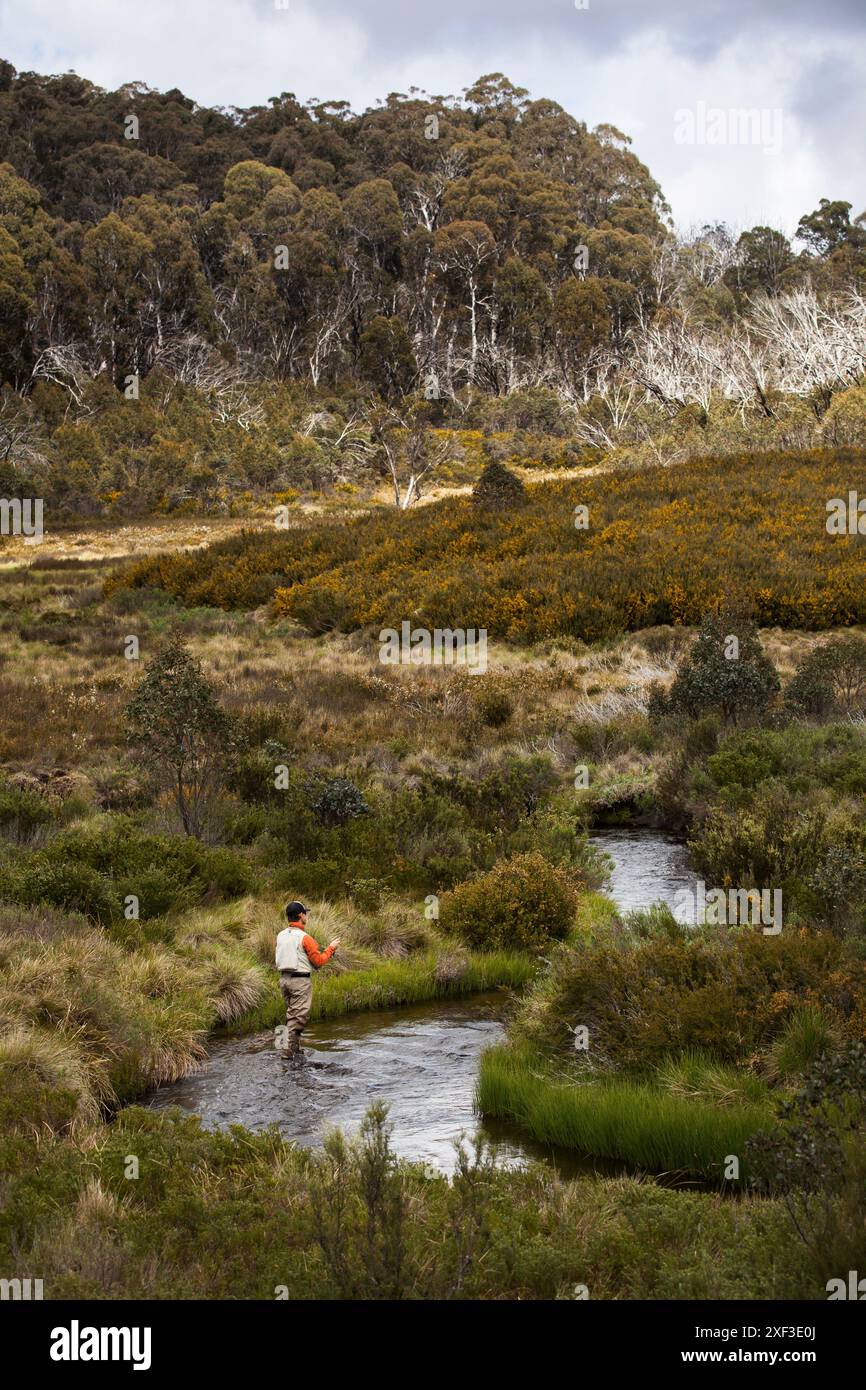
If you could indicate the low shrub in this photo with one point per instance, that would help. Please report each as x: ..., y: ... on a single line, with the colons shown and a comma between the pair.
x: 522, y: 903
x: 22, y: 812
x: 95, y: 869
x: 650, y: 557
x: 728, y: 992
x: 773, y: 842
x: 832, y: 676
x: 814, y: 1157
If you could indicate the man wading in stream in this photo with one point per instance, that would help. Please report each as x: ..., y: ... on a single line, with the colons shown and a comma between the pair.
x: 297, y: 957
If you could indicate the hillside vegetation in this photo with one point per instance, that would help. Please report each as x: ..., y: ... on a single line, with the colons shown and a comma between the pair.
x: 204, y: 309
x: 659, y: 547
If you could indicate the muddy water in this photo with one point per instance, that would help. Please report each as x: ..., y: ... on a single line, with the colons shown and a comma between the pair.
x: 421, y: 1060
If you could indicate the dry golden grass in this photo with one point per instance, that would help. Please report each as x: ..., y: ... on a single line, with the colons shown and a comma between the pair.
x: 63, y: 702
x: 111, y: 541
x: 56, y: 1062
x: 64, y: 681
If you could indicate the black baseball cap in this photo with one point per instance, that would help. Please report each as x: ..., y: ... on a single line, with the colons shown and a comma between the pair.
x: 294, y: 911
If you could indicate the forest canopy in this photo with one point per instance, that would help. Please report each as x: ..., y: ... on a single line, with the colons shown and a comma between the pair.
x: 199, y: 304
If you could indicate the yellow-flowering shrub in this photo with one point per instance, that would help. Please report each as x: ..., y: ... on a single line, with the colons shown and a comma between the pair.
x: 661, y: 546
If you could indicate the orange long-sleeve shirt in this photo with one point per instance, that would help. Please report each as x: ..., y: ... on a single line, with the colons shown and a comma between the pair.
x: 317, y: 958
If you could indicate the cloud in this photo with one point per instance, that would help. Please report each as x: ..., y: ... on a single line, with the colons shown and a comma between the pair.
x: 623, y: 61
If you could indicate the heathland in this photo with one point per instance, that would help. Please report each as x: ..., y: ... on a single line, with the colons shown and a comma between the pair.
x: 274, y: 380
x: 400, y: 785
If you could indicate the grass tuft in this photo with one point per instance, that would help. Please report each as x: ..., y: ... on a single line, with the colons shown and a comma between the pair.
x: 637, y: 1122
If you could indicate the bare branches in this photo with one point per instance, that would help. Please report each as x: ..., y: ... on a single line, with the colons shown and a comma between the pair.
x: 192, y: 361
x: 796, y: 344
x: 812, y: 344
x: 65, y: 364
x: 407, y: 449
x: 19, y: 431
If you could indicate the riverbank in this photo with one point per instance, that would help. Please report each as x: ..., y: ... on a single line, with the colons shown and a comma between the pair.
x: 389, y: 984
x: 635, y: 1122
x: 241, y: 1216
x: 640, y: 1123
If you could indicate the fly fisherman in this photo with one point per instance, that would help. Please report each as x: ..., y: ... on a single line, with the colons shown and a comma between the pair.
x: 297, y: 957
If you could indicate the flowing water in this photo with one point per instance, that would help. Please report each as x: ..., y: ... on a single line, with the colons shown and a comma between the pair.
x: 421, y: 1060
x: 648, y: 866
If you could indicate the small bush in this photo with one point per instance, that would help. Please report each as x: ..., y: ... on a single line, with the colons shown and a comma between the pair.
x: 498, y: 488
x: 336, y: 802
x: 521, y: 903
x: 773, y: 843
x: 726, y: 670
x: 22, y: 812
x: 495, y: 707
x: 747, y: 758
x: 831, y: 677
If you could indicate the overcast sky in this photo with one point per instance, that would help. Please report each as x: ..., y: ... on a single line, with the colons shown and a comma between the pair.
x: 637, y: 64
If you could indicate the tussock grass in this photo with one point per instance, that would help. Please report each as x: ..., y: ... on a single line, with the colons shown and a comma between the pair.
x: 807, y: 1034
x: 395, y: 931
x: 695, y: 1075
x: 232, y: 989
x: 637, y: 1122
x: 122, y: 1021
x: 47, y: 1082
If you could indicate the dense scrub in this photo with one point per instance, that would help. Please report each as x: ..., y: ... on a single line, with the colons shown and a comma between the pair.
x: 782, y: 806
x: 660, y: 548
x: 230, y: 1216
x: 665, y: 1046
x: 733, y: 993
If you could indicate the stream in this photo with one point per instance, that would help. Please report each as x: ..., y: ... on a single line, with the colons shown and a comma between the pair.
x: 649, y: 866
x: 421, y: 1060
